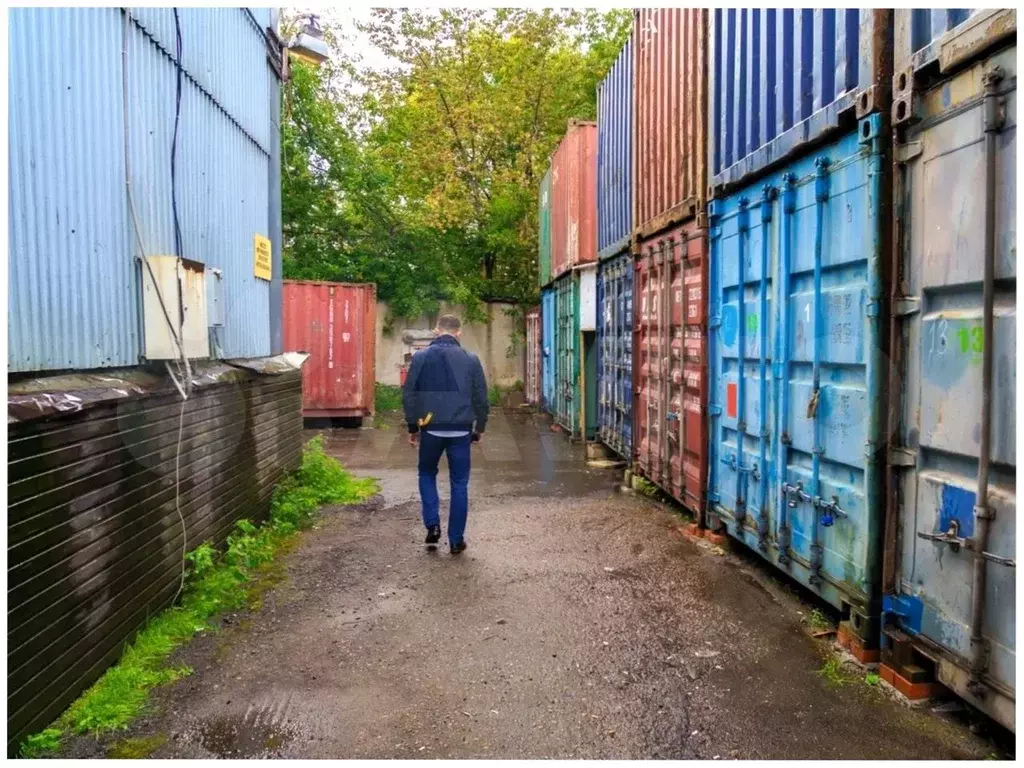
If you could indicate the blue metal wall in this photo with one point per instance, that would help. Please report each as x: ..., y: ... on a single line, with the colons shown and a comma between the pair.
x: 75, y: 282
x: 547, y: 350
x: 615, y: 354
x: 780, y: 78
x: 795, y: 370
x: 615, y: 156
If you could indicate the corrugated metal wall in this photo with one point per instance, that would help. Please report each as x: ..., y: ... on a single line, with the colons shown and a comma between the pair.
x: 615, y: 354
x: 574, y: 199
x: 544, y: 235
x: 780, y: 78
x: 615, y: 156
x: 73, y: 249
x: 94, y: 541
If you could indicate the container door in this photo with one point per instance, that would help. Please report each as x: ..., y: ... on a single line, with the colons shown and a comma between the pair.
x: 544, y: 236
x: 532, y: 353
x: 944, y: 204
x: 548, y: 352
x: 615, y: 329
x: 792, y: 472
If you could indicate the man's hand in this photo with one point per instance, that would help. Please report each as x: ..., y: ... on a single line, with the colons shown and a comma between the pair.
x: 476, y: 437
x: 414, y: 439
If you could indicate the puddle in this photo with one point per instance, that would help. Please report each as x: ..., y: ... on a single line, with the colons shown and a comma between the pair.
x: 257, y: 734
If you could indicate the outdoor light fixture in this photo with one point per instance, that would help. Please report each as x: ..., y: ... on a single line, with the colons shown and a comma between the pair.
x: 309, y: 45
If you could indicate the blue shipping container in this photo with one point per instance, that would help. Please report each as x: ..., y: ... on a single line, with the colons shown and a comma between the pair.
x: 547, y: 350
x: 795, y: 370
x: 944, y: 519
x: 615, y: 156
x: 75, y: 283
x: 615, y: 354
x: 780, y: 78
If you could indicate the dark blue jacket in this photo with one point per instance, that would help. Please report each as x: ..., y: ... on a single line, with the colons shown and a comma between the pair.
x: 447, y: 381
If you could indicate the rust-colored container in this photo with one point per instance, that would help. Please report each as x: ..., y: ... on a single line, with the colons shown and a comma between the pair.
x: 670, y: 363
x: 574, y: 199
x: 670, y: 117
x: 533, y: 356
x: 336, y: 323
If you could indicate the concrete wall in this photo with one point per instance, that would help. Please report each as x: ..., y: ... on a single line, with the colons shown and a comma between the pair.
x: 489, y: 341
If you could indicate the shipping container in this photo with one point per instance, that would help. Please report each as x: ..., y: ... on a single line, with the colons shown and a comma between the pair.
x: 670, y: 120
x: 336, y: 324
x: 670, y: 363
x: 784, y: 79
x: 548, y: 348
x: 615, y: 354
x: 950, y: 555
x: 948, y: 36
x: 575, y: 396
x: 533, y: 356
x: 574, y: 199
x: 615, y: 156
x: 797, y: 374
x: 544, y: 235
x: 93, y: 94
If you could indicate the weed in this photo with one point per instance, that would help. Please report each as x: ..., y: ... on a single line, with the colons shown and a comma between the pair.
x: 818, y: 620
x: 494, y: 395
x: 872, y: 679
x: 216, y: 583
x: 645, y: 487
x: 136, y: 749
x: 386, y: 397
x: 43, y: 743
x: 832, y: 671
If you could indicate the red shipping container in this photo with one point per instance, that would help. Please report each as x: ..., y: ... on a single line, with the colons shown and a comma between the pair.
x: 574, y: 199
x: 336, y: 323
x: 670, y: 117
x: 670, y: 363
x: 533, y: 356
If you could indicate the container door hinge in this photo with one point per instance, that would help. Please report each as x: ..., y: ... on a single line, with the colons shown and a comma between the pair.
x: 902, y: 457
x: 713, y: 497
x: 904, y: 153
x: 714, y: 410
x: 904, y: 306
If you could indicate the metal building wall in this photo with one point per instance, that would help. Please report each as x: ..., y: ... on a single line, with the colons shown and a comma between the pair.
x: 94, y: 539
x: 615, y: 156
x: 75, y: 283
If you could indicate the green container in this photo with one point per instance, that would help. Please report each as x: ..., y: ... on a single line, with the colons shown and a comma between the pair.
x: 567, y: 351
x: 544, y: 236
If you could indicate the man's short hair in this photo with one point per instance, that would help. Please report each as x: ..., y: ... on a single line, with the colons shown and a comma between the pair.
x: 449, y: 323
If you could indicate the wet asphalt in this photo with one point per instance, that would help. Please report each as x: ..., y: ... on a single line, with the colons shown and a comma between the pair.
x: 580, y: 623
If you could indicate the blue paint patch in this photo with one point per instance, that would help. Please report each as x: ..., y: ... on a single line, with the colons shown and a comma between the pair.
x: 906, y: 610
x: 957, y: 504
x: 730, y: 325
x: 946, y: 96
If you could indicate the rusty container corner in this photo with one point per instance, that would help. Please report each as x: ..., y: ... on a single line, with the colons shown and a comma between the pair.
x: 670, y: 117
x: 574, y: 199
x: 336, y: 323
x: 670, y: 297
x: 533, y: 356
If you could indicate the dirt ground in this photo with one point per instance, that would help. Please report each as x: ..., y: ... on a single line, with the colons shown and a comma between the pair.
x: 578, y: 624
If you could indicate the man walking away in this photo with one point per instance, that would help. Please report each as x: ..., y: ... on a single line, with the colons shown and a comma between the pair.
x: 445, y: 402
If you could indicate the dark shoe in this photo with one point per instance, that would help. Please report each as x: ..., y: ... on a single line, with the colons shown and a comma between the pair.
x: 433, y: 534
x: 459, y: 547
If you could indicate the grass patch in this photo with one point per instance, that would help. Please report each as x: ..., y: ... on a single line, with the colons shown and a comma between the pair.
x: 872, y: 679
x: 818, y: 621
x: 216, y: 582
x: 386, y: 397
x: 833, y: 673
x: 645, y: 487
x: 136, y: 749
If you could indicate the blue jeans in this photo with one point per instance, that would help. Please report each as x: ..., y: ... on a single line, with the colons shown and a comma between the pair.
x: 457, y: 448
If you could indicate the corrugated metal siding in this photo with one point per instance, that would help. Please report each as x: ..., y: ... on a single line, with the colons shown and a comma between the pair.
x: 615, y: 156
x: 796, y: 294
x: 670, y: 120
x: 568, y: 405
x: 548, y: 351
x: 544, y: 236
x: 533, y: 356
x: 670, y: 294
x: 943, y: 246
x: 94, y: 541
x: 574, y: 199
x: 780, y: 78
x: 72, y: 242
x: 336, y: 323
x: 615, y: 354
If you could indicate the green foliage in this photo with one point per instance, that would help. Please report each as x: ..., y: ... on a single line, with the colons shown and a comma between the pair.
x: 423, y: 177
x: 833, y: 673
x: 872, y: 679
x: 494, y: 395
x: 386, y: 397
x: 137, y: 748
x: 215, y: 584
x: 818, y: 621
x: 645, y: 487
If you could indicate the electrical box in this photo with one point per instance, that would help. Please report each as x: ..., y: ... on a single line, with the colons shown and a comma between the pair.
x: 181, y: 284
x: 588, y: 298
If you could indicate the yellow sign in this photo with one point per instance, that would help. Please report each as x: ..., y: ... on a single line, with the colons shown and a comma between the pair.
x: 261, y: 262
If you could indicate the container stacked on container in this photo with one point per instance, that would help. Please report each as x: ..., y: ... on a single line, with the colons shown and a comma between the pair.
x: 669, y: 296
x: 949, y: 567
x: 615, y: 269
x: 573, y: 275
x: 798, y: 240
